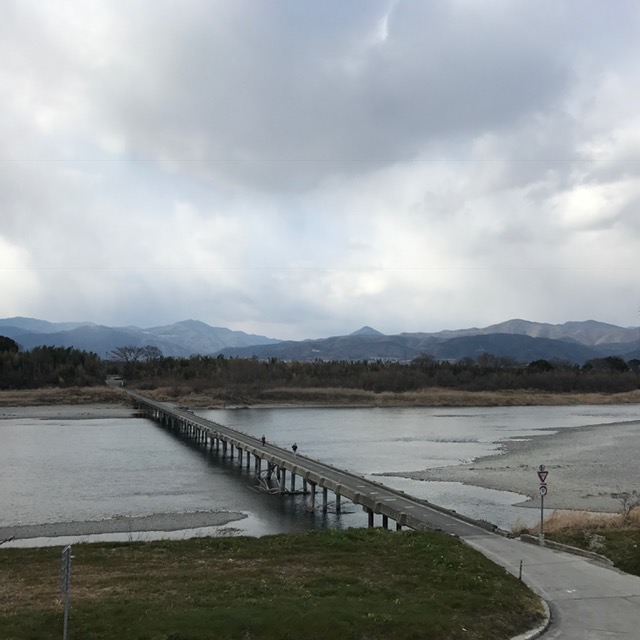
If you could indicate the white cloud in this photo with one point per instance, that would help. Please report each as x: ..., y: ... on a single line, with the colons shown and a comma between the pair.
x: 302, y: 169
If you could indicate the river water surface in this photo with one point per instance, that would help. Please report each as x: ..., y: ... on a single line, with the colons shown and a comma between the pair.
x: 78, y: 470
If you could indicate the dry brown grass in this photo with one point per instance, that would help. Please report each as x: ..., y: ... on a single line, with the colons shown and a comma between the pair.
x: 60, y: 395
x: 574, y: 521
x: 217, y: 397
x: 432, y: 397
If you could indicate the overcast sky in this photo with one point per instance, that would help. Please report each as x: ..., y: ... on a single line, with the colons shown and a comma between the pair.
x: 298, y: 169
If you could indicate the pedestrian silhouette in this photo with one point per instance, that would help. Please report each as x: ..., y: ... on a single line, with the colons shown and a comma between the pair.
x: 294, y: 446
x: 263, y: 439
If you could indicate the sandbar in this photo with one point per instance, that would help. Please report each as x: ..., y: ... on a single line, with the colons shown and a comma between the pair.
x: 586, y: 466
x: 123, y: 524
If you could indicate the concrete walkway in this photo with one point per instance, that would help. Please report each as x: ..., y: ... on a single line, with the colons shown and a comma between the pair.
x: 588, y: 600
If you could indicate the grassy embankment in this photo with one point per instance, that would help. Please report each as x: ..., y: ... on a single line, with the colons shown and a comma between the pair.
x: 614, y: 536
x: 360, y: 583
x: 436, y: 397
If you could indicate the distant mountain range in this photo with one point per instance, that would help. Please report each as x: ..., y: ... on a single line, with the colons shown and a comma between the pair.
x: 181, y: 339
x: 520, y: 340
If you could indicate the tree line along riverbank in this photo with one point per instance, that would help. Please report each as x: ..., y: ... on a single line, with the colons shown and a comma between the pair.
x: 239, y: 379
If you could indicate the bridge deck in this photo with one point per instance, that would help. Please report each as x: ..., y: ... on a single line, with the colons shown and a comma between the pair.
x: 374, y: 497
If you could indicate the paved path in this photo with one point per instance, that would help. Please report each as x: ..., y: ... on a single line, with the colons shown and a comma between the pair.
x: 588, y: 601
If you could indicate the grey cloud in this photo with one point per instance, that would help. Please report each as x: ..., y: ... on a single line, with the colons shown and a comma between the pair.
x: 273, y: 100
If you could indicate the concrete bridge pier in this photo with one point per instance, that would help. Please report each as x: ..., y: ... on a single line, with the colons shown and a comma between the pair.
x: 313, y: 494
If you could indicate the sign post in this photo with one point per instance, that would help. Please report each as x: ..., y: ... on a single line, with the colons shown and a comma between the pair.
x: 542, y: 476
x: 65, y: 584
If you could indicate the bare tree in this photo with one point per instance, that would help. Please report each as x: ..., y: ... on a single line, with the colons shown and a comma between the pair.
x: 628, y: 502
x: 152, y: 352
x: 128, y: 354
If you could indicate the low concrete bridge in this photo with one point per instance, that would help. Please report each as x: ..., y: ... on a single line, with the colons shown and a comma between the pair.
x: 275, y: 465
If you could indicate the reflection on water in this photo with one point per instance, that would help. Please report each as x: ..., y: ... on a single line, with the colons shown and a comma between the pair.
x: 73, y: 470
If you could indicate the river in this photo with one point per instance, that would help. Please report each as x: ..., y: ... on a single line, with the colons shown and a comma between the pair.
x: 66, y: 472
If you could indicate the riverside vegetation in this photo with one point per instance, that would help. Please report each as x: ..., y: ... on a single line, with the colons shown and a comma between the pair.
x: 253, y: 381
x: 614, y: 536
x: 359, y: 583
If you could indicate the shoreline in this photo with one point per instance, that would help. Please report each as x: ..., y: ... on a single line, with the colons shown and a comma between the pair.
x: 123, y: 524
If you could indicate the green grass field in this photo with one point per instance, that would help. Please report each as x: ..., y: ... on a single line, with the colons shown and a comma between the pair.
x: 359, y: 583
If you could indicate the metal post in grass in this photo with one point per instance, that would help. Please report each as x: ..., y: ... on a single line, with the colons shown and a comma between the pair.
x: 542, y: 476
x: 65, y: 585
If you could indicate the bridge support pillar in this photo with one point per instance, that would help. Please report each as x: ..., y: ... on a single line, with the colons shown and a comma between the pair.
x: 324, y: 499
x: 370, y: 517
x: 398, y: 526
x: 338, y: 503
x: 293, y: 482
x: 258, y: 465
x: 304, y: 486
x: 313, y: 495
x: 231, y: 452
x: 385, y: 522
x: 248, y: 459
x: 224, y: 448
x: 240, y: 456
x: 283, y: 473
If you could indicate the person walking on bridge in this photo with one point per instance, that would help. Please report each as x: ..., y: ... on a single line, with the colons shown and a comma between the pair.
x: 263, y: 440
x: 294, y: 446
